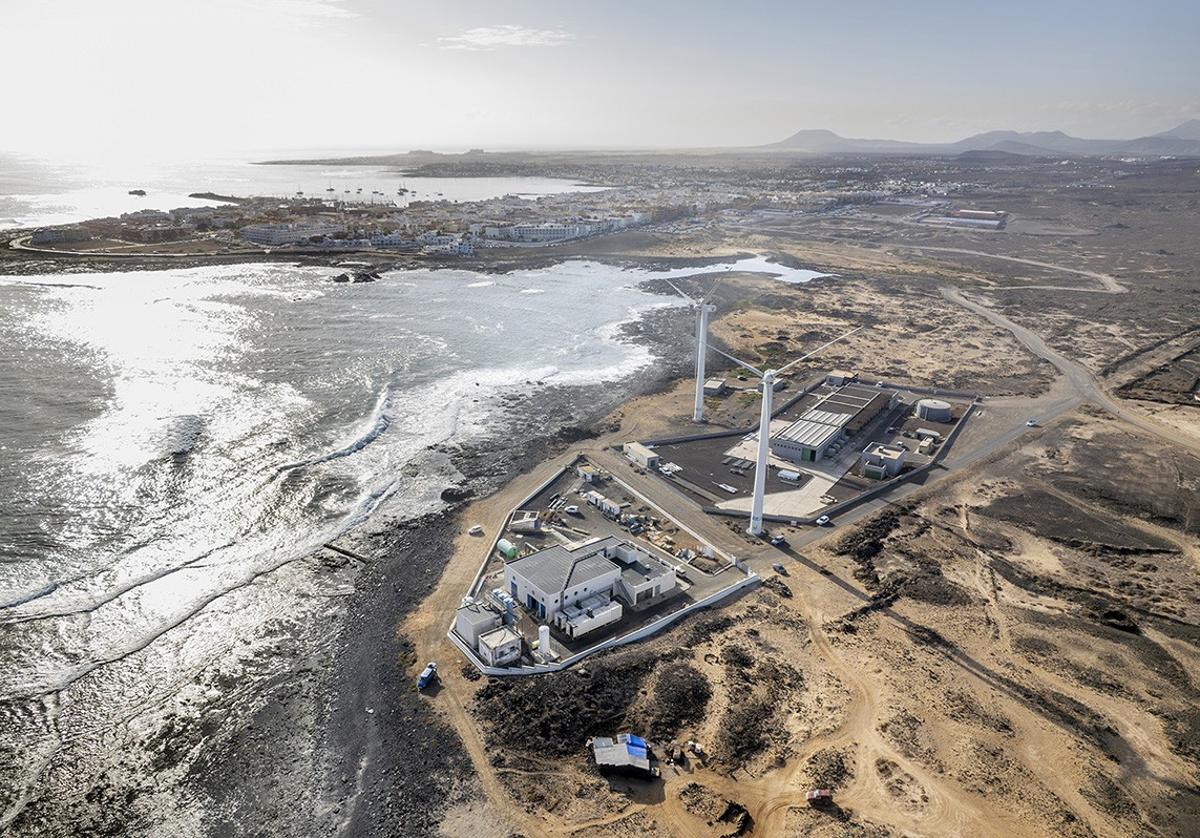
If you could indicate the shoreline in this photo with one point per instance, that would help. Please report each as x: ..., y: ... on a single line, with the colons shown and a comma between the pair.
x: 383, y: 754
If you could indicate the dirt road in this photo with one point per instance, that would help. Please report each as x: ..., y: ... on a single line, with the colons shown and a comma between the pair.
x: 1081, y: 380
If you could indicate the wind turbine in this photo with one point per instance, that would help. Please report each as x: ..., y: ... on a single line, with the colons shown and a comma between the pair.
x: 703, y: 309
x: 764, y: 425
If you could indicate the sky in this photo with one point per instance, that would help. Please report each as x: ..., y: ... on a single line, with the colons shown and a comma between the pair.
x: 180, y: 76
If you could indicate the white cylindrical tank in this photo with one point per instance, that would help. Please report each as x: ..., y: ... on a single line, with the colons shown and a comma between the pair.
x: 933, y: 410
x: 544, y: 640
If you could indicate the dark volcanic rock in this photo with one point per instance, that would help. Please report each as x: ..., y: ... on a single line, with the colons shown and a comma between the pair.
x: 454, y: 494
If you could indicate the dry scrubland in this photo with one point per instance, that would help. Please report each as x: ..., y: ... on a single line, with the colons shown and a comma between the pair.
x: 928, y: 665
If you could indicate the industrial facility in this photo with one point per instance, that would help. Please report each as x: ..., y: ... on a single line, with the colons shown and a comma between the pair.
x: 828, y: 425
x: 834, y: 441
x: 576, y: 589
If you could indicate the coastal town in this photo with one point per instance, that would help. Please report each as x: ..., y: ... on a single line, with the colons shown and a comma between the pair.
x: 400, y: 224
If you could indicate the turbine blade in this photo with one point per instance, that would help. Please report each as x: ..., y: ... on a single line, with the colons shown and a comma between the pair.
x: 680, y: 293
x: 737, y: 361
x: 713, y: 290
x: 818, y: 349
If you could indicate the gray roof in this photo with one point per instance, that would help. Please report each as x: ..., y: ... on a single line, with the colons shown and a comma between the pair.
x: 476, y: 613
x: 812, y: 431
x: 556, y: 568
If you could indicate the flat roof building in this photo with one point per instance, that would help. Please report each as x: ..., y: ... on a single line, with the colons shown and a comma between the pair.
x: 640, y: 454
x: 626, y: 754
x: 474, y: 619
x: 882, y: 461
x: 500, y: 647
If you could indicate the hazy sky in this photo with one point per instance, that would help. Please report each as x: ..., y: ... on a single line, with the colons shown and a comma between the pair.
x: 152, y: 75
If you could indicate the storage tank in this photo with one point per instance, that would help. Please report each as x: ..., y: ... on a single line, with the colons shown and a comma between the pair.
x: 507, y: 548
x: 933, y: 410
x: 544, y: 641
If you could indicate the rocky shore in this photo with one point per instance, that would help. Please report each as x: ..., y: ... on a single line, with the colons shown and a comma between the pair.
x: 347, y: 743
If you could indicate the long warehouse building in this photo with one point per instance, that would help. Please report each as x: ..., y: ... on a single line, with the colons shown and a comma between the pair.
x: 821, y: 431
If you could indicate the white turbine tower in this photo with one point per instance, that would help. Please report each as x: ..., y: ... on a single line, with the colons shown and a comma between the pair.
x: 764, y: 425
x: 703, y: 309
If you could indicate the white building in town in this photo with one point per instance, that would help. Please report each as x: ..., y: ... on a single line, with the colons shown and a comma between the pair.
x: 290, y: 233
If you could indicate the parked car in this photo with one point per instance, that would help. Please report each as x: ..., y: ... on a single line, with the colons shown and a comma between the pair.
x: 778, y: 541
x: 428, y: 675
x: 818, y: 797
x: 780, y: 569
x: 1032, y: 423
x: 823, y: 521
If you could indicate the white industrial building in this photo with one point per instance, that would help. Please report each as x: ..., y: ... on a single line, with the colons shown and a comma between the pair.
x: 576, y: 588
x: 824, y: 428
x: 933, y: 410
x: 882, y: 461
x: 810, y: 437
x: 500, y: 647
x: 474, y: 619
x: 640, y: 454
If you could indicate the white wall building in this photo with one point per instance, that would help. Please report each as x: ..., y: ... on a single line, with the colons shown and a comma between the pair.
x: 640, y: 454
x: 475, y: 619
x: 500, y: 647
x: 883, y: 461
x: 291, y: 233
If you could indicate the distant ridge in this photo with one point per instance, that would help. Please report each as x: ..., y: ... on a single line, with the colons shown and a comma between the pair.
x: 1182, y: 141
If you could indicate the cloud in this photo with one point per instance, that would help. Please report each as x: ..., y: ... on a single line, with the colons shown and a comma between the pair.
x: 303, y: 10
x: 506, y: 35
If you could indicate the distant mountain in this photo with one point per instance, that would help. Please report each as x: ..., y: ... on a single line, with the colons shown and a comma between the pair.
x: 1189, y: 130
x: 1183, y: 141
x: 990, y: 156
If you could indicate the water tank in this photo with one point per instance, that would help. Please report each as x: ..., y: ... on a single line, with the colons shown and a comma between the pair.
x: 933, y: 410
x: 544, y: 640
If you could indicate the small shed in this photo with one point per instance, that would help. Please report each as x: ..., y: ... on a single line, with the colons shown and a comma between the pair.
x: 500, y: 647
x: 640, y: 454
x: 628, y: 754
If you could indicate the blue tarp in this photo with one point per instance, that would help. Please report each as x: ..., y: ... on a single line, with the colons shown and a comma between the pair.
x: 635, y: 751
x: 636, y: 740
